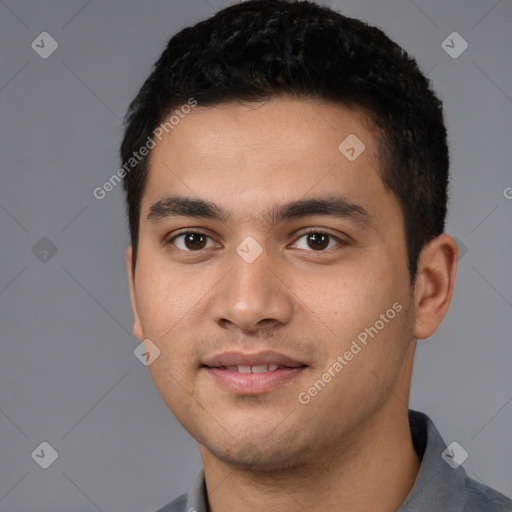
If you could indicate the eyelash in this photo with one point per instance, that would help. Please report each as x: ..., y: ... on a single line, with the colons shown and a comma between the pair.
x: 340, y: 242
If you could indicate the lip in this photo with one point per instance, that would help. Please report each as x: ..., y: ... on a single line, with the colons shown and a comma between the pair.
x: 254, y: 359
x: 252, y: 383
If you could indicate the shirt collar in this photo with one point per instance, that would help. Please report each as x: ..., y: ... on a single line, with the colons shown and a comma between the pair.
x: 437, y: 485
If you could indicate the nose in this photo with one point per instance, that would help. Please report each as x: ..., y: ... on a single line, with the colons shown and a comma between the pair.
x: 253, y: 297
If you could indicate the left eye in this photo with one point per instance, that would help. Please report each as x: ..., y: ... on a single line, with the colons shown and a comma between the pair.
x: 317, y: 240
x: 192, y: 241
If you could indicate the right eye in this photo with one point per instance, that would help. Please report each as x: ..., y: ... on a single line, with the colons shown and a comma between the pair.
x: 191, y: 241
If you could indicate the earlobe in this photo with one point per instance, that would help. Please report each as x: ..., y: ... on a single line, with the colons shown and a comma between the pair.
x: 137, y: 327
x: 433, y: 290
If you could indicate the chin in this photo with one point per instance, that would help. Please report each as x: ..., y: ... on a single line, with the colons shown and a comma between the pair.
x: 261, y: 457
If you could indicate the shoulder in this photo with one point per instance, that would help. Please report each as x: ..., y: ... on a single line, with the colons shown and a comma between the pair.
x: 176, y: 505
x: 195, y: 500
x: 482, y: 498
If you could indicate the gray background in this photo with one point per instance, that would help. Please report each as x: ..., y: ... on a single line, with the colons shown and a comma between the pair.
x: 68, y: 375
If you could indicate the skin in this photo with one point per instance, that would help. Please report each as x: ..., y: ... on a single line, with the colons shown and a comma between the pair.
x: 350, y: 447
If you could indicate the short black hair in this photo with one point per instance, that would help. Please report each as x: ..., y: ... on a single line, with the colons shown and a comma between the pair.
x: 262, y: 49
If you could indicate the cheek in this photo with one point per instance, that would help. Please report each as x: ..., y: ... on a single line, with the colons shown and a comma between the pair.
x: 165, y: 297
x: 168, y: 304
x: 347, y: 306
x: 347, y: 297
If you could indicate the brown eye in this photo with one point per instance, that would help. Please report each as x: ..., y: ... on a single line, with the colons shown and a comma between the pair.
x: 317, y: 241
x: 191, y: 241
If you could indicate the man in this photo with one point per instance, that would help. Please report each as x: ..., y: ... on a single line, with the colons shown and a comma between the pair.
x: 287, y: 190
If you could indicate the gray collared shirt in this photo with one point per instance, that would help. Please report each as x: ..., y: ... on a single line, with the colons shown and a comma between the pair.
x: 438, y: 487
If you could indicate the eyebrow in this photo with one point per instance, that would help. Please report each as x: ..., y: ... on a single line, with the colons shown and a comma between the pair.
x: 335, y: 206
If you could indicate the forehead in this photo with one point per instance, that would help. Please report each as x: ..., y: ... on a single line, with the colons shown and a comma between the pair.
x: 266, y: 153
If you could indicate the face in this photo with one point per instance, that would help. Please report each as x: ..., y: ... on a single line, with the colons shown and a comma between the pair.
x: 265, y: 248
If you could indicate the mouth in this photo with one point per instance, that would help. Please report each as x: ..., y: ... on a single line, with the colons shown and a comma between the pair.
x: 252, y: 374
x: 260, y: 368
x: 261, y: 361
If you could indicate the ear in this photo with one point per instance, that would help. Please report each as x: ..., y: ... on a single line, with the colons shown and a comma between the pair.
x: 137, y: 327
x: 435, y: 281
